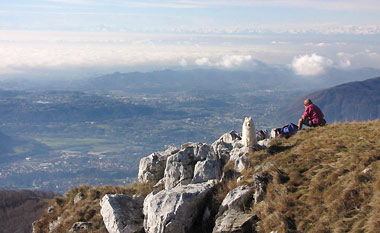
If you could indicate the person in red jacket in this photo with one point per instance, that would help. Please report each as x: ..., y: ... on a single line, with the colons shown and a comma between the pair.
x: 312, y: 117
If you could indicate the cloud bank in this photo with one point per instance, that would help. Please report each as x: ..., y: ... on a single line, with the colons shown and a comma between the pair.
x: 26, y: 51
x: 309, y: 65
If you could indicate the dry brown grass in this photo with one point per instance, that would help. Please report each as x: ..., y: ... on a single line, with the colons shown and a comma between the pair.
x: 86, y: 210
x: 327, y: 190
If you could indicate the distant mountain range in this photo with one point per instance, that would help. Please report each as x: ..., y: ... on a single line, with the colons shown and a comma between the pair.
x: 353, y: 101
x: 261, y: 78
x: 273, y: 78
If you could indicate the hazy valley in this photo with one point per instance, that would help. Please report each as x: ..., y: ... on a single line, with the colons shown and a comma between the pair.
x: 58, y: 135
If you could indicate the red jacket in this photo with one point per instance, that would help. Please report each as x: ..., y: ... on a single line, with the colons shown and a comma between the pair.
x: 314, y: 113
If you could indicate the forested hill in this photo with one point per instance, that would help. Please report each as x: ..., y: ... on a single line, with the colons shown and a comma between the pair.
x: 19, y: 209
x: 354, y: 101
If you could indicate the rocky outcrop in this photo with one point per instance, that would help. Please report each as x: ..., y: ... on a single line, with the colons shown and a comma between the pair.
x: 236, y: 199
x: 232, y: 215
x: 224, y: 145
x: 175, y: 210
x: 122, y: 213
x: 197, y: 162
x: 187, y: 175
x: 180, y: 166
x: 152, y: 167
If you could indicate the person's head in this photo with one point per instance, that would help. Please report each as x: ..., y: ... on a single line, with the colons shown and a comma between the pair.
x: 307, y: 102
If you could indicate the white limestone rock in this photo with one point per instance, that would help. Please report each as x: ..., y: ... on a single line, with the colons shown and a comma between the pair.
x: 175, y: 210
x: 223, y: 146
x: 264, y: 143
x: 232, y: 215
x: 233, y: 221
x: 80, y: 196
x: 180, y: 166
x: 238, y: 151
x: 236, y: 198
x: 152, y: 167
x: 241, y: 163
x: 122, y: 213
x: 206, y: 170
x: 229, y: 137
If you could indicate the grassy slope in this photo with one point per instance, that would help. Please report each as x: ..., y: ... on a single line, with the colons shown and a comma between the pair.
x: 325, y: 189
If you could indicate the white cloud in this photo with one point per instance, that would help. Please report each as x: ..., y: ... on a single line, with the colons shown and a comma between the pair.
x: 22, y: 51
x: 310, y: 64
x: 226, y: 61
x: 231, y: 61
x: 204, y: 61
x: 344, y: 61
x: 28, y: 51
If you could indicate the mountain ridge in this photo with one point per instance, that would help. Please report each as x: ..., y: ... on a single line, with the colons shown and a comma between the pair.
x: 353, y: 101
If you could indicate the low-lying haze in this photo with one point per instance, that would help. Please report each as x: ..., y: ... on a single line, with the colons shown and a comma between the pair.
x: 62, y: 38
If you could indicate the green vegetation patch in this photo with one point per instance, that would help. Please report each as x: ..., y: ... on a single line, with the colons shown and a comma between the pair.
x: 61, y: 142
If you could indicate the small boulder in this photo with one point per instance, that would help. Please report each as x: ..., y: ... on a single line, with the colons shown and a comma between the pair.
x: 264, y: 143
x: 236, y: 199
x: 175, y: 210
x: 229, y: 137
x: 233, y: 215
x: 235, y: 221
x: 80, y: 196
x: 122, y: 213
x: 51, y: 209
x: 241, y: 163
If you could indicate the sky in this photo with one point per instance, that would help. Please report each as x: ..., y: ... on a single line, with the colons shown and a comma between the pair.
x: 91, y: 37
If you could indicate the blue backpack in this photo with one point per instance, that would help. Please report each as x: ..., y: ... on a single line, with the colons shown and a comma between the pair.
x: 289, y: 129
